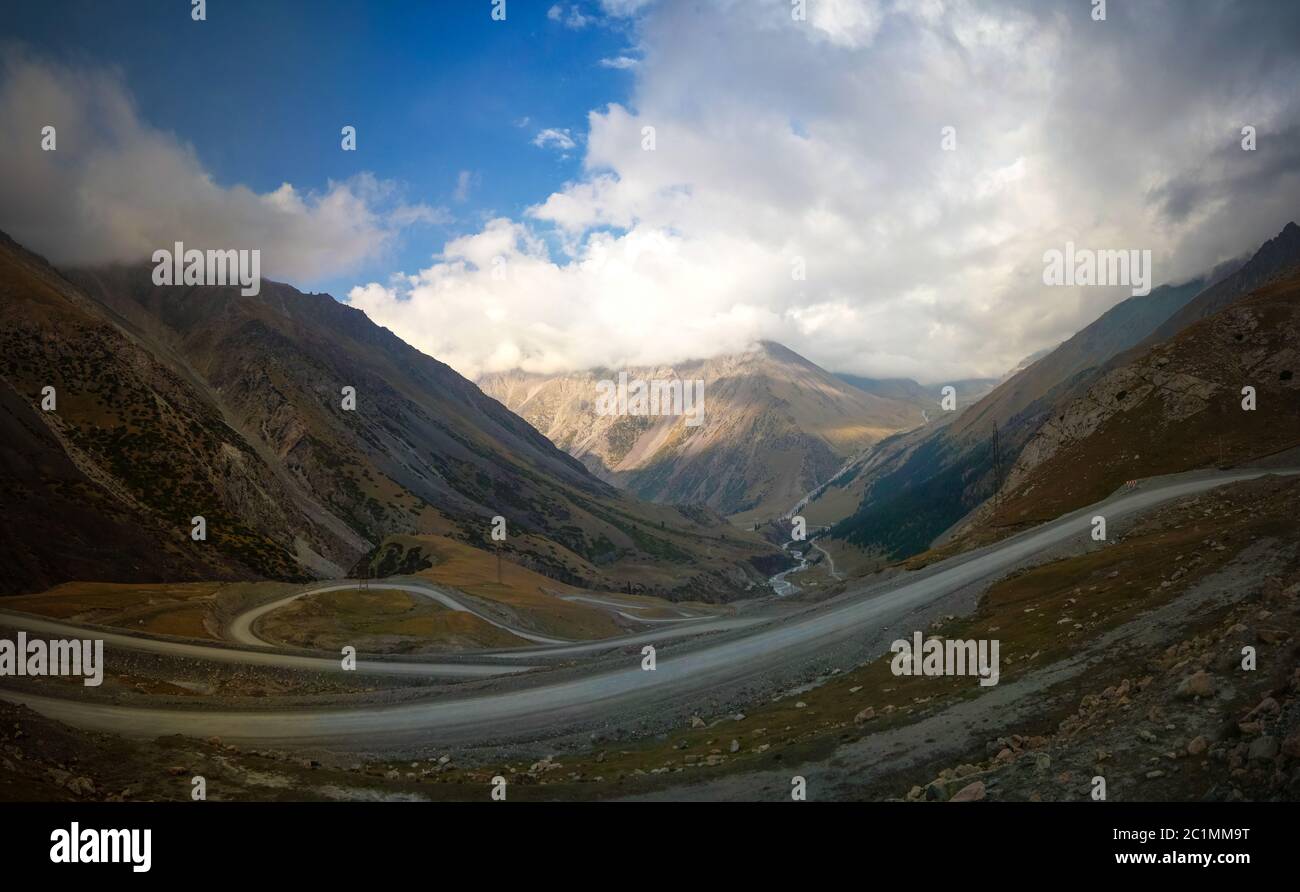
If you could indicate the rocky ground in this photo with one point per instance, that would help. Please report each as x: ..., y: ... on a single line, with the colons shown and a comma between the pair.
x: 1196, y: 726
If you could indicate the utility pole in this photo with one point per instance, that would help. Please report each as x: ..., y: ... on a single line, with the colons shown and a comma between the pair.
x: 498, y: 563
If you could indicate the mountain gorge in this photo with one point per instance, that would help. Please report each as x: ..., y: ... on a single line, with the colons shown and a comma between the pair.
x: 182, y: 401
x: 910, y: 489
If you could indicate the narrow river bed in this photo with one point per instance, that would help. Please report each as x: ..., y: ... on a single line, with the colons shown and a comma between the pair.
x: 783, y: 587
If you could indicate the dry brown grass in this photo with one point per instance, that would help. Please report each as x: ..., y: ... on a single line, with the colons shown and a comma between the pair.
x: 378, y: 621
x: 179, y: 609
x: 526, y: 594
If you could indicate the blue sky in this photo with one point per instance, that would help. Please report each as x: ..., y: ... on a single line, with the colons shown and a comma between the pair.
x: 261, y: 90
x: 781, y: 143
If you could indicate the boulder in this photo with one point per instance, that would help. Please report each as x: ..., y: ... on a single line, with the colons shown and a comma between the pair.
x: 1198, y: 684
x: 969, y: 793
x: 1263, y: 749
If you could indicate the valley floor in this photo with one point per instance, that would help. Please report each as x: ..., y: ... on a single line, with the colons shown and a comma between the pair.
x: 1119, y: 660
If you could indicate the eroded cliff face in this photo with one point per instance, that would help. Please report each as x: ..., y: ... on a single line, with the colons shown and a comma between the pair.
x: 1169, y: 396
x: 1181, y: 405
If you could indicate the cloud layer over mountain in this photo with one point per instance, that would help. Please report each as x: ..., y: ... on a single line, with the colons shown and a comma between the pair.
x: 778, y: 139
x: 116, y: 188
x: 778, y: 144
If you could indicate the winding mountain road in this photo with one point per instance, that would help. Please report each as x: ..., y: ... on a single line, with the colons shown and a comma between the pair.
x: 245, y: 656
x: 241, y: 628
x: 830, y: 562
x: 534, y: 705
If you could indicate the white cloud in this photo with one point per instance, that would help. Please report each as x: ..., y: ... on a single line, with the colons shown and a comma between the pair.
x: 116, y: 189
x: 775, y: 140
x: 822, y: 139
x: 465, y: 181
x: 624, y: 8
x: 554, y: 138
x: 574, y: 18
x: 620, y: 62
x: 847, y: 23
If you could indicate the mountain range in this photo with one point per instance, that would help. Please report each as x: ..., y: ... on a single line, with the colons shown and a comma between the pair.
x: 774, y: 426
x: 910, y: 489
x: 179, y: 402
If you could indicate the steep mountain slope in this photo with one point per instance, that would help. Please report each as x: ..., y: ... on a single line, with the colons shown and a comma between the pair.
x: 1275, y: 258
x: 914, y: 488
x: 774, y: 426
x: 910, y: 489
x: 1175, y: 407
x: 196, y: 400
x: 1027, y: 362
x: 1024, y: 398
x: 105, y: 485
